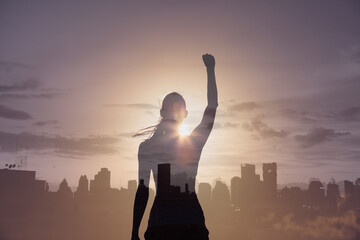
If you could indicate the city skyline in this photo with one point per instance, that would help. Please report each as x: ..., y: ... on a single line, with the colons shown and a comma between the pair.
x: 28, y: 210
x: 248, y: 172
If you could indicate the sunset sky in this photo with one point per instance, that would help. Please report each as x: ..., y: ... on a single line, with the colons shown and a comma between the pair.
x: 78, y: 78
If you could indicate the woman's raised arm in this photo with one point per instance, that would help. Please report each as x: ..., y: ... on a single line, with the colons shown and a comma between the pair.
x: 212, y: 95
x: 201, y: 133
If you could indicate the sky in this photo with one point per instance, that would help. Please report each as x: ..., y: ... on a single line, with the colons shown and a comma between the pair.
x: 78, y: 78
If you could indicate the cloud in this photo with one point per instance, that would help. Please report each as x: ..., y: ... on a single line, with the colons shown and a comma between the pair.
x: 18, y: 83
x: 45, y: 123
x: 262, y: 129
x: 245, y: 106
x: 19, y: 86
x: 9, y: 113
x: 301, y: 116
x: 226, y: 125
x: 351, y: 114
x: 9, y: 65
x: 91, y: 145
x: 69, y: 156
x: 133, y: 105
x: 318, y: 135
x: 20, y: 96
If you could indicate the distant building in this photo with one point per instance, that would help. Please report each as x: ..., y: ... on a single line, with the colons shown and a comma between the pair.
x: 270, y: 180
x: 357, y: 192
x: 352, y: 194
x: 251, y: 186
x: 20, y: 184
x: 332, y: 189
x: 22, y: 210
x: 204, y: 193
x: 349, y: 188
x: 221, y: 194
x: 316, y: 193
x: 82, y: 192
x: 333, y: 194
x: 83, y: 184
x: 235, y: 190
x: 163, y: 179
x: 64, y: 189
x: 101, y: 182
x: 132, y: 185
x: 248, y: 171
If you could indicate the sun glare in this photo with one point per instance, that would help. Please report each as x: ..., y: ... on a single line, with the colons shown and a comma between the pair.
x: 184, y: 130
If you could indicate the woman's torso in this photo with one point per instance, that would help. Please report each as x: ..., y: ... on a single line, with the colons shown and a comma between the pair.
x: 174, y: 162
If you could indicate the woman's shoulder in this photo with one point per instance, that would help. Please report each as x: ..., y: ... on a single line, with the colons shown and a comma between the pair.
x: 143, y: 145
x: 147, y: 149
x: 146, y: 144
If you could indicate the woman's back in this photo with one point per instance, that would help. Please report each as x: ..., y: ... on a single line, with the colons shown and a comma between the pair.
x: 180, y: 153
x: 174, y: 162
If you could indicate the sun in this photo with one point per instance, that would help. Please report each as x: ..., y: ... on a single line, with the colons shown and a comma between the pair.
x: 184, y: 130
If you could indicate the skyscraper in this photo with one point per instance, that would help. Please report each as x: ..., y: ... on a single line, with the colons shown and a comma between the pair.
x: 270, y: 179
x: 248, y: 171
x: 163, y: 179
x: 235, y: 190
x: 82, y: 191
x: 316, y: 193
x: 132, y: 185
x: 349, y: 188
x: 83, y: 184
x: 250, y: 191
x: 101, y: 181
x: 221, y: 194
x: 204, y: 193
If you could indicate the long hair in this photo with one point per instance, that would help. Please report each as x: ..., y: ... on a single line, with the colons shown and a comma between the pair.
x: 167, y: 104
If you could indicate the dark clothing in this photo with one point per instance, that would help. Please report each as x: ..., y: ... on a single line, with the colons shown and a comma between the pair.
x: 177, y: 232
x: 178, y: 208
x: 184, y: 217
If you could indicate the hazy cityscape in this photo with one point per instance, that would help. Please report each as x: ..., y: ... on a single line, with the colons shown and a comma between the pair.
x: 250, y: 208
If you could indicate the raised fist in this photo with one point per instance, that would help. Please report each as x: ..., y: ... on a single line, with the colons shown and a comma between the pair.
x: 209, y: 60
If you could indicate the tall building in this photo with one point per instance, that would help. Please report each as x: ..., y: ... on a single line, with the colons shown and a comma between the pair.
x: 349, y: 188
x: 357, y: 192
x: 270, y: 180
x: 235, y: 190
x: 250, y: 190
x: 163, y: 178
x: 332, y: 189
x: 357, y: 181
x: 221, y: 194
x: 82, y: 191
x: 20, y: 185
x: 333, y: 194
x: 83, y: 184
x: 101, y: 181
x: 132, y: 185
x: 248, y: 171
x: 64, y: 189
x: 316, y: 193
x: 352, y: 194
x: 204, y: 193
x: 22, y: 205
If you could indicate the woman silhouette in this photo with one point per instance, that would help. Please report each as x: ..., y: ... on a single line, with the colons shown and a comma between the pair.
x: 173, y: 159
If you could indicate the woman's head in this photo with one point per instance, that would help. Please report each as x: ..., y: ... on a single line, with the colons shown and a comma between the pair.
x: 173, y: 108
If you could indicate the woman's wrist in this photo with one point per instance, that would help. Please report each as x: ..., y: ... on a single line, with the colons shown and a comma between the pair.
x: 210, y: 69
